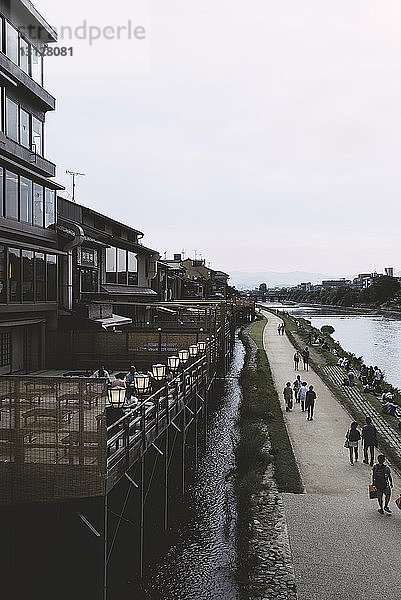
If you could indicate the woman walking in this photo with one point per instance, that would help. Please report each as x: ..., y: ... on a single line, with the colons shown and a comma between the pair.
x: 297, y: 358
x: 352, y: 439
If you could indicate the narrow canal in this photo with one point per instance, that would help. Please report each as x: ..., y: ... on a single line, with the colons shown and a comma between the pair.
x: 375, y: 337
x: 201, y: 564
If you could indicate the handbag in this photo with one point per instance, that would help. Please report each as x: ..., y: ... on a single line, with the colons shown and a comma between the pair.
x: 346, y: 444
x: 398, y: 502
x: 372, y: 492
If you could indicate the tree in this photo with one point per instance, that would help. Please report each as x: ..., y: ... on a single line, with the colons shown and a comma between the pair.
x: 327, y: 329
x: 383, y: 289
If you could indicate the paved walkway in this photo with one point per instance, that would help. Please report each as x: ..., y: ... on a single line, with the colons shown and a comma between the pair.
x: 342, y: 547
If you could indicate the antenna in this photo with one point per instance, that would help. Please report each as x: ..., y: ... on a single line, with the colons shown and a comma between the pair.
x: 74, y: 174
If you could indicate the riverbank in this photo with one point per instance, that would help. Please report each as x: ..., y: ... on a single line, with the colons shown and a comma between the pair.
x: 265, y: 467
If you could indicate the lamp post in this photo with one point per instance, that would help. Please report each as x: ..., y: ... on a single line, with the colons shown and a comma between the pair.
x: 159, y: 329
x: 173, y: 364
x: 197, y: 334
x: 193, y: 351
x: 202, y: 347
x: 183, y: 355
x: 141, y: 384
x: 116, y: 399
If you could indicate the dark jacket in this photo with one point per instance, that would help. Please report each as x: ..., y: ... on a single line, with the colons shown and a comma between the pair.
x: 369, y: 434
x: 353, y: 435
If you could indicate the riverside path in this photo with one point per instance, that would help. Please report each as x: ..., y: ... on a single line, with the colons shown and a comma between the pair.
x: 342, y: 547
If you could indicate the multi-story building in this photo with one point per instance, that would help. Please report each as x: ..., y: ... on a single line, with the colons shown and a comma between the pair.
x: 29, y: 252
x: 106, y: 274
x: 335, y: 283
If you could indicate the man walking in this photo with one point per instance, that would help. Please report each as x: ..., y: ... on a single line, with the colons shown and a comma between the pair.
x: 383, y: 482
x: 310, y: 402
x: 288, y: 396
x: 369, y: 439
x: 302, y: 395
x: 296, y: 387
x: 305, y: 358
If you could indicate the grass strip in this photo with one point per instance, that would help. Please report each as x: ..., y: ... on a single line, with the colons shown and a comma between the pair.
x: 261, y: 423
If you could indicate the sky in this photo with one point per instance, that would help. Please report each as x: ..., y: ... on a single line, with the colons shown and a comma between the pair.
x: 263, y: 135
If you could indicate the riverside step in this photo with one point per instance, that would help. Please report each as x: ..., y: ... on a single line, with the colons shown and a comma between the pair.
x: 337, y: 374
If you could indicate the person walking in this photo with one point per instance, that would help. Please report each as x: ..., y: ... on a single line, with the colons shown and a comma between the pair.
x: 296, y: 387
x: 279, y: 328
x: 297, y: 358
x: 302, y: 395
x: 310, y: 402
x: 353, y: 436
x: 382, y: 480
x: 351, y: 378
x: 288, y: 396
x: 369, y: 440
x: 305, y: 358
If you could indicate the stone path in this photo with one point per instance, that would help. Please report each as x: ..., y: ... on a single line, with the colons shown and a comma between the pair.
x: 342, y: 547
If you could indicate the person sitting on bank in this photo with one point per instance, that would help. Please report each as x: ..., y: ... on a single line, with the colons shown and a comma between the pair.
x: 390, y: 408
x: 101, y: 373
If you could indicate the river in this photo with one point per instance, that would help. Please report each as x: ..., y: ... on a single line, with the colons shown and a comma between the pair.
x: 201, y: 564
x: 375, y: 337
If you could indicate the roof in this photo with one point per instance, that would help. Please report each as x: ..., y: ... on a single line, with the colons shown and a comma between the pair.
x: 127, y: 290
x: 27, y: 9
x: 113, y: 321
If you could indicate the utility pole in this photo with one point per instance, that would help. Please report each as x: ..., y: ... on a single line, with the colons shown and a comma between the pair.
x: 74, y: 174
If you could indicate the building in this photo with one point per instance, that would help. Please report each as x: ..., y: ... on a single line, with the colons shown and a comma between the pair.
x: 29, y: 254
x: 106, y: 274
x: 335, y: 283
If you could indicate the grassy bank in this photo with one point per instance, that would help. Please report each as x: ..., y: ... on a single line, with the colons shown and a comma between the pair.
x: 300, y: 340
x: 260, y: 421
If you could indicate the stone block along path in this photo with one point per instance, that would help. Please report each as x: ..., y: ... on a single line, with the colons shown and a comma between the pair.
x: 342, y: 548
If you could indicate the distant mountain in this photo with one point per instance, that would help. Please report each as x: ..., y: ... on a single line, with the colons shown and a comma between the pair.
x: 243, y: 281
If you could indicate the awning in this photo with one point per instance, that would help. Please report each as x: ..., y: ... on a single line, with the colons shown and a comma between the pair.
x: 21, y: 323
x: 113, y: 321
x: 127, y: 290
x: 169, y: 310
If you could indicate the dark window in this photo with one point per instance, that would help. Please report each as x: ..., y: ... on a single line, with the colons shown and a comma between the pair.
x: 27, y: 276
x: 132, y: 269
x: 5, y: 349
x: 87, y: 257
x: 37, y: 66
x: 40, y: 277
x: 89, y: 280
x: 3, y: 275
x: 37, y: 204
x: 51, y: 261
x: 50, y: 207
x: 116, y: 231
x: 14, y: 274
x: 24, y: 128
x: 25, y: 187
x: 11, y: 195
x: 99, y: 224
x: 1, y: 190
x: 12, y: 119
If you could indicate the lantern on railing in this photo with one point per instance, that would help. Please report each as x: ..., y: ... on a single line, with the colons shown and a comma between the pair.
x: 173, y: 363
x: 141, y: 383
x: 159, y: 372
x: 183, y: 355
x: 116, y: 397
x: 193, y: 351
x: 202, y: 347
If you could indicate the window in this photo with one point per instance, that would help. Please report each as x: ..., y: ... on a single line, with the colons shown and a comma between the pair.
x: 5, y: 349
x: 37, y: 135
x: 1, y: 190
x: 27, y: 276
x: 36, y: 66
x: 51, y: 263
x: 37, y: 204
x: 25, y: 192
x: 111, y: 265
x: 24, y: 129
x: 121, y: 266
x: 12, y: 119
x: 11, y: 195
x: 14, y: 274
x: 3, y: 272
x: 50, y: 207
x: 40, y: 277
x: 12, y: 47
x: 87, y: 257
x: 89, y: 279
x: 132, y: 269
x: 24, y: 51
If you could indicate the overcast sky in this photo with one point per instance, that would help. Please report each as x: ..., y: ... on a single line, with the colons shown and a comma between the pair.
x: 266, y: 135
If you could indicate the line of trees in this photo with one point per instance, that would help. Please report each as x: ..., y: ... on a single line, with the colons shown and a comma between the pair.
x: 384, y: 289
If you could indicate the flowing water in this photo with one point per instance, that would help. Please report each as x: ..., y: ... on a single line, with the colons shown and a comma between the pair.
x: 201, y: 565
x: 375, y: 337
